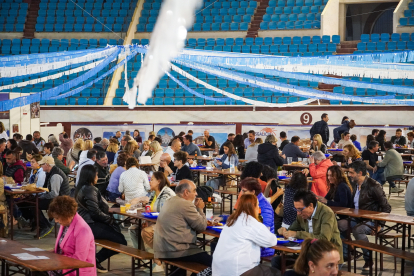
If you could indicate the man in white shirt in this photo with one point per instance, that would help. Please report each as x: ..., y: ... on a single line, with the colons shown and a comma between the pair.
x: 175, y: 146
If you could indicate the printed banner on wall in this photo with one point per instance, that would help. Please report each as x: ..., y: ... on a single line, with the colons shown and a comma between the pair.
x: 89, y: 132
x: 219, y: 132
x: 263, y: 130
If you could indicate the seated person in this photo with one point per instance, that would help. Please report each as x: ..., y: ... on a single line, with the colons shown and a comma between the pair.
x: 37, y: 176
x: 367, y: 195
x: 48, y: 148
x: 340, y: 190
x: 183, y: 171
x: 392, y: 165
x: 189, y: 147
x: 314, y: 220
x: 251, y: 186
x: 75, y: 239
x: 317, y: 144
x: 317, y: 257
x: 292, y: 150
x: 349, y: 154
x: 175, y: 233
x: 112, y: 189
x: 14, y: 167
x: 238, y: 249
x: 370, y: 156
x: 229, y: 157
x: 101, y: 164
x: 345, y: 140
x: 133, y: 183
x: 355, y: 142
x: 398, y: 138
x: 94, y: 210
x: 166, y: 165
x: 318, y: 167
x: 57, y: 155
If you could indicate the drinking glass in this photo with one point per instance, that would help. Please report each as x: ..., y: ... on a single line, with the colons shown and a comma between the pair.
x: 289, y: 160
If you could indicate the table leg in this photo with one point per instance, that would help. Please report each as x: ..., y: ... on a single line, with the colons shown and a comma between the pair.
x: 403, y: 247
x: 139, y: 234
x: 376, y: 242
x: 133, y: 267
x: 198, y: 180
x: 11, y: 216
x: 231, y: 204
x: 348, y: 233
x: 409, y: 236
x: 3, y: 267
x: 37, y: 216
x: 283, y: 263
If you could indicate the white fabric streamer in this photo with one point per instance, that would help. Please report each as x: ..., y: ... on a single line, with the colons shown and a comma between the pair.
x: 8, y: 72
x: 255, y: 103
x: 167, y: 39
x: 51, y: 77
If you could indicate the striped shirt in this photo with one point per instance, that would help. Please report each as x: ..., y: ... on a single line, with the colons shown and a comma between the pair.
x: 133, y: 183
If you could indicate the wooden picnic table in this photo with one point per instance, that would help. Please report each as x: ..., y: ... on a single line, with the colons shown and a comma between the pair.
x: 30, y: 198
x: 55, y: 262
x: 146, y: 167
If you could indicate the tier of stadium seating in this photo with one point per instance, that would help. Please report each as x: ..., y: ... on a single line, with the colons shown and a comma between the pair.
x: 408, y: 19
x: 32, y: 46
x: 385, y: 42
x: 13, y: 16
x: 293, y: 14
x: 85, y: 15
x: 214, y: 15
x: 93, y: 95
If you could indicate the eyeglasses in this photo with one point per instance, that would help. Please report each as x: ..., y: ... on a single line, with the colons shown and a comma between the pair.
x: 300, y: 210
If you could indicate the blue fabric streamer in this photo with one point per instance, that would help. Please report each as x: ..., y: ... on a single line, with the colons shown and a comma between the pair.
x: 196, y: 93
x: 79, y: 89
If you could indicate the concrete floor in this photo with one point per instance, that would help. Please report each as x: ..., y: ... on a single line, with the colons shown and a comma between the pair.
x: 121, y: 264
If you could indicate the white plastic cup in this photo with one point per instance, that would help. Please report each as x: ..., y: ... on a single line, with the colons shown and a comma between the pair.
x: 339, y: 163
x: 289, y: 160
x: 379, y: 158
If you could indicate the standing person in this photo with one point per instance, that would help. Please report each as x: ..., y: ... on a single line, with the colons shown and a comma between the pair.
x: 268, y: 153
x: 75, y: 238
x: 28, y: 147
x: 38, y: 141
x: 118, y: 135
x: 339, y: 189
x: 3, y: 133
x: 175, y: 233
x: 102, y: 168
x: 251, y: 152
x: 292, y: 150
x: 95, y: 211
x: 321, y: 128
x: 370, y: 156
x: 345, y: 127
x: 189, y: 147
x: 238, y: 249
x: 134, y: 182
x: 239, y: 146
x: 112, y: 189
x: 392, y: 165
x: 137, y: 137
x: 284, y: 139
x: 296, y: 183
x: 398, y: 138
x: 111, y: 150
x: 317, y: 144
x: 317, y: 257
x: 74, y: 152
x: 250, y: 139
x: 230, y: 138
x: 355, y: 142
x: 65, y: 142
x: 367, y: 195
x: 58, y: 185
x: 318, y: 168
x: 208, y: 140
x: 381, y: 138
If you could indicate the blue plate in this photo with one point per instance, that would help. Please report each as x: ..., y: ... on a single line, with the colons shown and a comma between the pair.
x: 284, y: 242
x: 336, y: 150
x: 407, y: 162
x: 198, y: 168
x: 282, y: 177
x: 148, y: 215
x: 327, y: 155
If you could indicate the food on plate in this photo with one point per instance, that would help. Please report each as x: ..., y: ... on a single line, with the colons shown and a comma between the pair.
x: 214, y: 223
x: 282, y: 239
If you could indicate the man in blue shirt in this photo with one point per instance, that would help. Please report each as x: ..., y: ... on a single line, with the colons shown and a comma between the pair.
x: 189, y: 147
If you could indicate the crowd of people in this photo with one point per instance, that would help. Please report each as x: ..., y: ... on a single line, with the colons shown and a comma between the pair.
x: 108, y: 171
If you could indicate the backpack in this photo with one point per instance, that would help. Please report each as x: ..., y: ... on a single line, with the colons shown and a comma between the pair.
x: 205, y: 192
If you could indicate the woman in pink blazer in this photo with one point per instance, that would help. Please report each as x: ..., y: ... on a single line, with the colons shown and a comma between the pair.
x: 75, y: 238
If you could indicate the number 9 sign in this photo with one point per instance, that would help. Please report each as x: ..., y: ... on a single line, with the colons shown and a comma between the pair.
x: 306, y: 118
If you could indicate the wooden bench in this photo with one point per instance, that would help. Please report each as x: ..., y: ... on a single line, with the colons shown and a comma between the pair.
x: 139, y: 258
x: 390, y: 239
x: 172, y: 266
x: 395, y: 252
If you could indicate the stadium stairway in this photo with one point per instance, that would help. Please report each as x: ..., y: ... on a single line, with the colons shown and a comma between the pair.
x: 254, y: 27
x: 29, y: 27
x: 347, y: 47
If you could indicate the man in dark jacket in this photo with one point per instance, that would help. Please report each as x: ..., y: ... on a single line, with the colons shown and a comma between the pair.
x: 284, y: 139
x: 367, y: 195
x: 345, y: 127
x: 398, y: 138
x: 101, y: 166
x: 58, y: 184
x: 27, y: 146
x: 321, y: 128
x: 268, y: 153
x: 292, y: 150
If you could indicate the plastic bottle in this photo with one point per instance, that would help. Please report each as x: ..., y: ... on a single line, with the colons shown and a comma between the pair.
x: 260, y: 216
x: 209, y: 210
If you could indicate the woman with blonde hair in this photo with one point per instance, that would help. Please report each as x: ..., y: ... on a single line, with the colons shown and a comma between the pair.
x: 156, y: 154
x: 146, y: 149
x: 251, y: 152
x: 317, y: 144
x: 88, y: 144
x: 74, y: 152
x: 3, y: 133
x: 112, y: 149
x: 132, y: 149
